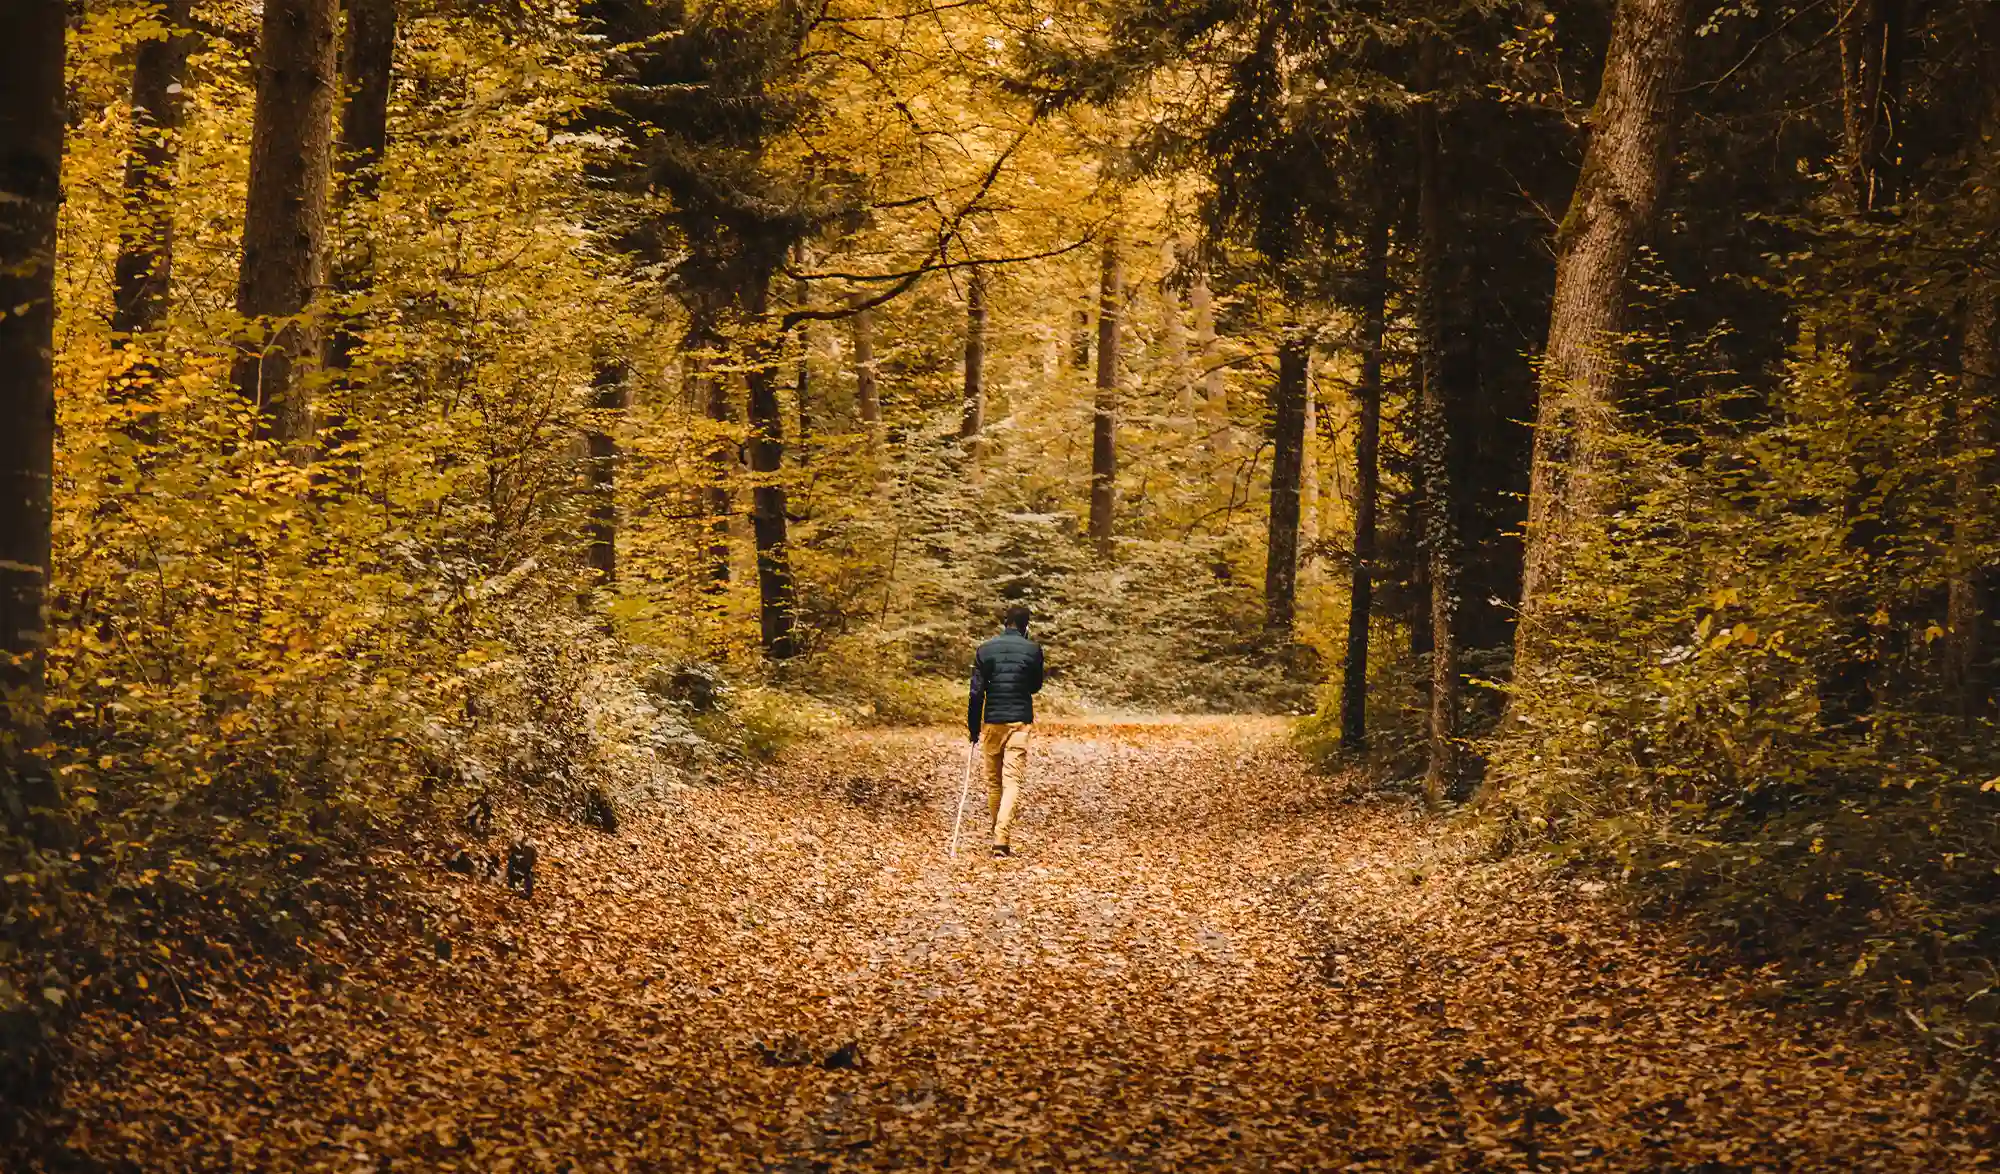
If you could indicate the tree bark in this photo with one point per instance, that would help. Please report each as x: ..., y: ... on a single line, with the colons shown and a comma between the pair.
x: 1288, y: 415
x: 1367, y: 460
x: 777, y: 613
x: 867, y: 399
x: 1173, y: 341
x: 367, y: 75
x: 144, y: 271
x: 1624, y: 170
x: 1309, y: 478
x: 1104, y: 415
x: 972, y: 420
x: 1871, y: 67
x: 1445, y: 776
x: 32, y: 35
x: 608, y: 402
x: 285, y: 222
x: 1215, y: 395
x: 802, y: 387
x: 722, y: 464
x: 1973, y: 407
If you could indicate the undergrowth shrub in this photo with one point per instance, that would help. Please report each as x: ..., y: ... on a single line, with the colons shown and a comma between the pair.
x: 1742, y: 706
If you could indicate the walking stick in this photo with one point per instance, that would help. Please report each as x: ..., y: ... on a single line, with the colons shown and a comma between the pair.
x: 964, y: 789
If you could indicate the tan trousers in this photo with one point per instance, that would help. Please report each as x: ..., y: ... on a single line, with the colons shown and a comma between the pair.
x: 1004, y: 746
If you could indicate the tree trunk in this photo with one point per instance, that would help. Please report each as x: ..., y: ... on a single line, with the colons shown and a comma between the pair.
x: 1104, y: 416
x: 367, y: 65
x: 1215, y: 395
x: 367, y: 76
x: 776, y: 594
x: 1367, y: 447
x: 1973, y: 406
x: 144, y: 271
x: 722, y: 465
x: 1871, y: 67
x: 31, y: 155
x: 867, y: 399
x: 1288, y: 415
x: 1610, y: 212
x: 973, y: 419
x: 1445, y: 777
x: 1079, y: 341
x: 802, y: 298
x: 607, y: 404
x: 1173, y: 341
x: 285, y: 222
x: 1309, y: 479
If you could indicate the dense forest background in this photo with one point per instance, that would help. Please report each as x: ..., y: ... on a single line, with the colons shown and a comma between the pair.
x: 1584, y: 411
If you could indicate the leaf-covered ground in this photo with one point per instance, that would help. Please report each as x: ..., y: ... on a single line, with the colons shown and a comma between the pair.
x: 1200, y: 959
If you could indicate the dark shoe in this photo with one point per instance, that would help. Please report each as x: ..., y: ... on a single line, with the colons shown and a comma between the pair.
x: 1002, y: 850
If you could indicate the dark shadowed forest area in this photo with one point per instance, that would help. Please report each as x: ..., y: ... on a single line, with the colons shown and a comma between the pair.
x: 498, y: 499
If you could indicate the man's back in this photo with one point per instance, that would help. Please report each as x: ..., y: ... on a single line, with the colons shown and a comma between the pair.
x: 1009, y: 668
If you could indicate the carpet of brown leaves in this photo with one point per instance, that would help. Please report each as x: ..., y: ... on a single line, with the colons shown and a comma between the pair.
x: 1201, y: 958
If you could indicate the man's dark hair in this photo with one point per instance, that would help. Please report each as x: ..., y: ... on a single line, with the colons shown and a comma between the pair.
x: 1017, y: 617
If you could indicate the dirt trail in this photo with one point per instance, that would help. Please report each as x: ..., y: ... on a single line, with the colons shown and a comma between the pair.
x: 1200, y: 959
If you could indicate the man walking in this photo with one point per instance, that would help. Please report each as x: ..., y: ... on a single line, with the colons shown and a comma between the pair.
x: 1006, y: 675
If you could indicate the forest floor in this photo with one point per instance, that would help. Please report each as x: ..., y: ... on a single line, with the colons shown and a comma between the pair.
x: 1200, y: 958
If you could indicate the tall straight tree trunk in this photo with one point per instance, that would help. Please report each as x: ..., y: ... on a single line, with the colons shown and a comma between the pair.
x: 972, y: 420
x: 1445, y: 776
x: 1288, y: 416
x: 1173, y: 340
x: 285, y: 222
x: 1973, y: 409
x: 1104, y: 415
x: 802, y: 387
x: 367, y: 75
x: 1215, y: 394
x: 722, y: 466
x: 1871, y: 66
x: 601, y: 532
x: 144, y: 271
x: 1610, y: 212
x: 1309, y: 478
x: 1971, y: 416
x: 777, y: 612
x: 32, y: 34
x: 1367, y: 460
x: 867, y: 397
x: 143, y: 276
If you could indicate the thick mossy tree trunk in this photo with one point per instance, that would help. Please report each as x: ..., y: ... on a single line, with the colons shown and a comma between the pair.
x: 144, y: 271
x: 1104, y: 414
x: 608, y: 402
x: 1367, y: 457
x: 1610, y: 212
x: 285, y: 221
x: 1445, y: 778
x: 972, y: 418
x: 32, y: 35
x: 1288, y: 434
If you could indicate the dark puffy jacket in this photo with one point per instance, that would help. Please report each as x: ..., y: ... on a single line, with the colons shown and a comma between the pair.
x: 1006, y: 674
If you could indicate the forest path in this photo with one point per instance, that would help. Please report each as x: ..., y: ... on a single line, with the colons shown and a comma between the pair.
x: 1201, y: 958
